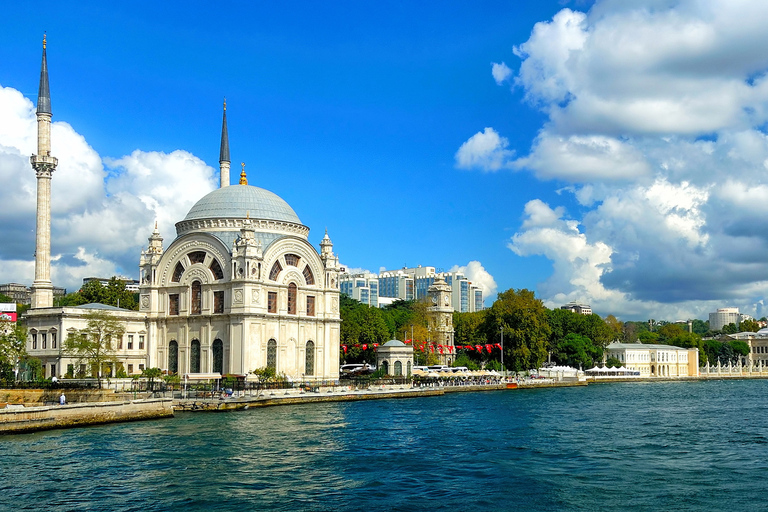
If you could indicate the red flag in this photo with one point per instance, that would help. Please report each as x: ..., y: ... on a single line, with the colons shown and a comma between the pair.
x: 375, y: 345
x: 498, y: 346
x: 479, y: 348
x: 345, y: 348
x: 488, y: 348
x: 432, y: 348
x: 365, y: 346
x: 441, y: 348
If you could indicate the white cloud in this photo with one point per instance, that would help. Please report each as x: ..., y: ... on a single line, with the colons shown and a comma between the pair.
x: 485, y: 150
x: 656, y: 113
x: 100, y: 219
x: 476, y: 273
x: 500, y: 72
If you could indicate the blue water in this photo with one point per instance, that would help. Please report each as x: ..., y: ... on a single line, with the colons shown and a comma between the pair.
x: 638, y: 446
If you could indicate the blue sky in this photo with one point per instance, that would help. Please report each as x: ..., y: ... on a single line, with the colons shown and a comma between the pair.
x: 597, y: 163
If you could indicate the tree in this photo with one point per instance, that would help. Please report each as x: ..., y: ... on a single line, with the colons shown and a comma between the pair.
x: 700, y: 326
x: 612, y: 362
x: 93, y: 344
x: 524, y: 320
x: 13, y: 341
x: 577, y: 351
x: 93, y: 292
x: 616, y: 327
x: 731, y: 328
x: 151, y: 374
x: 749, y: 326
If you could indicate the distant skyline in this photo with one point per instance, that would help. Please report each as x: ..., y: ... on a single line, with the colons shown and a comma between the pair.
x: 612, y: 153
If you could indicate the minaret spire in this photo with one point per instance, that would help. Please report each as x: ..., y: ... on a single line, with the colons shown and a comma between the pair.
x: 44, y: 165
x: 224, y: 152
x: 44, y: 93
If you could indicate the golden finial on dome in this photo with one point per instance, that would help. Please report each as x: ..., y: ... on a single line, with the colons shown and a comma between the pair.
x: 225, y: 104
x: 44, y: 40
x: 243, y: 178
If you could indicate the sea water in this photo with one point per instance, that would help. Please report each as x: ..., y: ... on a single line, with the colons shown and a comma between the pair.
x: 634, y: 446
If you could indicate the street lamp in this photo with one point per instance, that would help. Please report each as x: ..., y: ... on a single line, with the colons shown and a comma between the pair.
x: 502, y: 347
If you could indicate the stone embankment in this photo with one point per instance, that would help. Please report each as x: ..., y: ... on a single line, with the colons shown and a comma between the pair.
x: 18, y: 418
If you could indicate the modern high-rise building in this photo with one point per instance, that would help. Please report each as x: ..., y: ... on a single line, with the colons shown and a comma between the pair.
x: 725, y: 316
x: 414, y: 283
x: 361, y: 287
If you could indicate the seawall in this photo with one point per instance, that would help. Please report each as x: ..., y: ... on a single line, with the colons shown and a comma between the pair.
x: 17, y: 419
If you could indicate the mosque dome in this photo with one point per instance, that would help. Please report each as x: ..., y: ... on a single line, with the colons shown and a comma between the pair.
x: 237, y: 201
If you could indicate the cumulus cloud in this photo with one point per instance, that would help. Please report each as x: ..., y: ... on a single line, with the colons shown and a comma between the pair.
x: 485, y: 150
x: 655, y: 117
x: 476, y: 273
x: 103, y: 210
x: 500, y: 72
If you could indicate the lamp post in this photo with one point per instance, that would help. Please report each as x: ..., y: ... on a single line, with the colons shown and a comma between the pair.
x: 502, y: 348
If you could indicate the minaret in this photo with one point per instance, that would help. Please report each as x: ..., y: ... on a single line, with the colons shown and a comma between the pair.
x: 44, y: 165
x: 224, y: 152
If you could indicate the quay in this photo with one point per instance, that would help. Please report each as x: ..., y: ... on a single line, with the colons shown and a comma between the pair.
x: 16, y: 419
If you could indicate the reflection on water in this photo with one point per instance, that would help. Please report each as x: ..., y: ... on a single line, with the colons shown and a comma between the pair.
x: 645, y: 446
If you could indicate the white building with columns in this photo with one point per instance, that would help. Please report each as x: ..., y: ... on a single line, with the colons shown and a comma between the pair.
x: 239, y: 288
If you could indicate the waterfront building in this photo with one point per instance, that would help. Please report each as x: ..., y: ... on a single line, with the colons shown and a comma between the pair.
x: 239, y: 288
x: 363, y: 287
x: 575, y: 307
x: 395, y: 358
x: 655, y: 360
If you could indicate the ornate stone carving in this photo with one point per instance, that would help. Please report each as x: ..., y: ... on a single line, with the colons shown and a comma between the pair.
x: 238, y: 296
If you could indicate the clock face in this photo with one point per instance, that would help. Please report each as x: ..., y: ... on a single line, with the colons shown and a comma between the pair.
x: 434, y: 299
x: 447, y: 301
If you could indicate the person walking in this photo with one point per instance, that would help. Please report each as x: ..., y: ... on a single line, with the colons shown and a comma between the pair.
x: 62, y: 399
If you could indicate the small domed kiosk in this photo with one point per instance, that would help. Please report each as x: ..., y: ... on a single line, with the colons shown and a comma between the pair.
x: 395, y: 358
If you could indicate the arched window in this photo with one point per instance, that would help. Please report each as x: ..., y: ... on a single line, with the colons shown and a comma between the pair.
x: 197, y: 298
x: 218, y: 356
x: 197, y: 257
x: 308, y: 277
x: 194, y: 357
x: 216, y: 270
x: 385, y: 367
x: 292, y: 292
x: 272, y: 354
x: 292, y: 259
x: 309, y: 367
x: 173, y: 357
x: 398, y: 369
x: 276, y: 269
x: 177, y: 272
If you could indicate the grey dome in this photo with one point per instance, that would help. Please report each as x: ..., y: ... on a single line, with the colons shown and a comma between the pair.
x: 394, y: 343
x: 237, y: 201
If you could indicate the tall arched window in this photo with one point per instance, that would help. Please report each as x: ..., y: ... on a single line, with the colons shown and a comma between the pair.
x: 398, y: 369
x: 292, y: 292
x: 197, y: 298
x: 385, y: 367
x: 309, y: 366
x: 173, y: 357
x: 272, y: 354
x: 218, y: 356
x: 194, y: 357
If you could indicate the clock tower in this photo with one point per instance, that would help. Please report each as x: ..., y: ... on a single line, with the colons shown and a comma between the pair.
x: 440, y: 315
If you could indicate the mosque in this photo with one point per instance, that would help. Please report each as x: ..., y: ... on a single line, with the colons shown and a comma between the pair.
x: 239, y: 288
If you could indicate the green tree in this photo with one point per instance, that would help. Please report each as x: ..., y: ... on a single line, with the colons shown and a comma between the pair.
x: 648, y: 337
x: 731, y: 328
x: 612, y: 362
x: 524, y: 320
x: 93, y: 292
x: 13, y: 341
x: 700, y: 326
x: 616, y: 327
x: 151, y: 374
x: 577, y: 351
x: 740, y: 348
x: 749, y: 326
x: 93, y: 345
